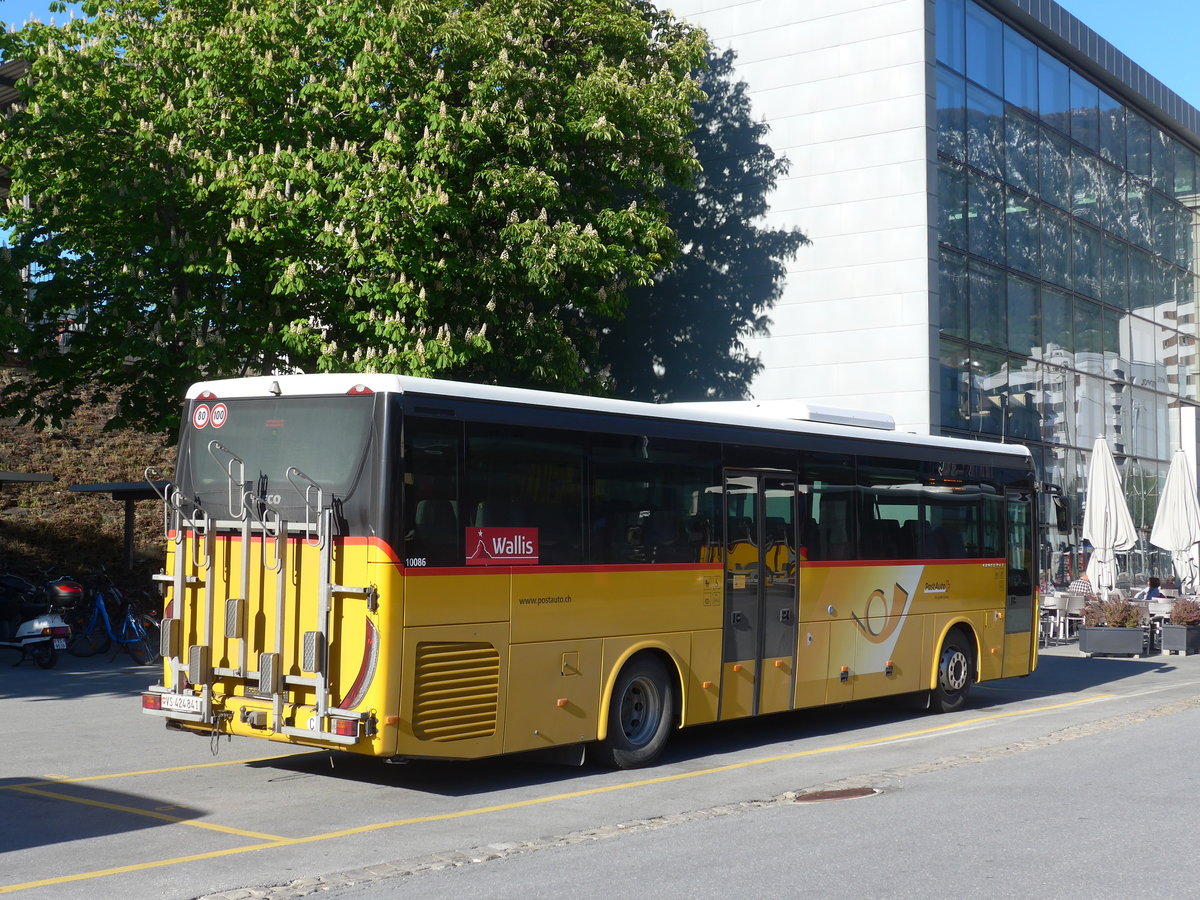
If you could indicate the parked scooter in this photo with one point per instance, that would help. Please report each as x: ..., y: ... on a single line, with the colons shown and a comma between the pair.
x: 29, y: 622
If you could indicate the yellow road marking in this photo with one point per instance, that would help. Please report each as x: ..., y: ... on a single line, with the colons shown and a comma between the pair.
x: 520, y: 804
x: 63, y: 779
x: 152, y: 814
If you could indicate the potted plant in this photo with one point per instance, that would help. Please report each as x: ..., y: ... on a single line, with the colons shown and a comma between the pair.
x: 1182, y: 635
x: 1112, y: 626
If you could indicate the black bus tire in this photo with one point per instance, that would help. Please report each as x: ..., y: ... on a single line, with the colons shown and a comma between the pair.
x: 956, y: 673
x: 641, y: 714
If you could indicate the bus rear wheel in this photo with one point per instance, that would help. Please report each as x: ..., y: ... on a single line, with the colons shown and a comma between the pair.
x: 641, y: 714
x: 956, y: 673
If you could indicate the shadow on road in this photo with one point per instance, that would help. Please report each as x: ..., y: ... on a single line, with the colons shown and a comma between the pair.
x: 74, y: 678
x: 39, y: 812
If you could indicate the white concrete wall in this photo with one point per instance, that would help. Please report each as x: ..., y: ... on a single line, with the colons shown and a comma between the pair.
x: 846, y: 88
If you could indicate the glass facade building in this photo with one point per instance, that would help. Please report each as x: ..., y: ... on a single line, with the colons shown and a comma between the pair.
x: 1002, y: 210
x: 1067, y: 261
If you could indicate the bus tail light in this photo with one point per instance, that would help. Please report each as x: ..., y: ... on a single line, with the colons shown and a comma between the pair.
x: 359, y: 390
x: 345, y: 727
x: 151, y: 701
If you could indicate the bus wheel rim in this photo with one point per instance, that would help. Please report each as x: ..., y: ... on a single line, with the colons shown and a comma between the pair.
x: 954, y: 669
x: 641, y: 709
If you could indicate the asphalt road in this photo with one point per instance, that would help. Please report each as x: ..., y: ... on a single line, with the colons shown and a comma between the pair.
x: 1077, y: 781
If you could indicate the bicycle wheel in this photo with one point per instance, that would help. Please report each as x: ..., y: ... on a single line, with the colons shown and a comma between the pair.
x: 144, y: 650
x: 92, y: 640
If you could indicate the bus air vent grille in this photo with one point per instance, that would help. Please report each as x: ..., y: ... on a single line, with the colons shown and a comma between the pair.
x: 457, y: 691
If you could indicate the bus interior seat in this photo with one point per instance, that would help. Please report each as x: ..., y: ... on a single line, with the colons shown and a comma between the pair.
x: 776, y: 529
x: 810, y: 539
x: 437, y: 532
x: 947, y: 544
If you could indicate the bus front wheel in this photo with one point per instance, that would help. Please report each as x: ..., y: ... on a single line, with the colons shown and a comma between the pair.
x: 956, y: 672
x: 640, y: 715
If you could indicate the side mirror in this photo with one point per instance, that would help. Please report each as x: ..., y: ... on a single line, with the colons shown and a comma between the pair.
x: 1062, y: 514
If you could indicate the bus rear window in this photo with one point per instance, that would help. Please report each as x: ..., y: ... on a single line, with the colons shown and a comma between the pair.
x: 261, y: 440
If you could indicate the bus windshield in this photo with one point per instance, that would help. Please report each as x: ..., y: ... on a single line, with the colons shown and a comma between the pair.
x: 326, y: 438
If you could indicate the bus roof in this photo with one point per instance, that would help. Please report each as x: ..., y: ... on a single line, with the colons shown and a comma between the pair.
x: 787, y: 416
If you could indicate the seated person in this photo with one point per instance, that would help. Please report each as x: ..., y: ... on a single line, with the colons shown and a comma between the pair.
x: 1153, y: 590
x: 1082, y: 587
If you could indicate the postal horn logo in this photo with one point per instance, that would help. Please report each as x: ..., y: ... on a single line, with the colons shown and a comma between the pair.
x: 881, y: 617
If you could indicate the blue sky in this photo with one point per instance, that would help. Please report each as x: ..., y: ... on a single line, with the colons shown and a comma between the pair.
x: 1159, y: 35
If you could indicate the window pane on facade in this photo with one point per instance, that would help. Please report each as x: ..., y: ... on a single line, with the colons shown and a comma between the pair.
x: 1112, y: 200
x: 1021, y: 140
x: 1141, y: 283
x: 1085, y: 125
x: 1185, y: 171
x: 953, y: 294
x: 1055, y: 166
x: 985, y: 131
x: 1085, y: 186
x: 1054, y: 91
x: 1144, y: 408
x: 985, y: 49
x: 1058, y: 320
x: 985, y: 223
x: 1137, y: 201
x: 1142, y: 347
x: 954, y: 381
x: 1086, y: 262
x: 1164, y: 294
x: 951, y: 46
x: 1089, y: 335
x: 952, y: 204
x: 1021, y: 223
x: 987, y: 317
x: 1024, y: 316
x: 1185, y: 249
x: 1056, y: 247
x: 989, y: 391
x: 1089, y: 401
x: 952, y: 114
x: 1112, y: 336
x: 1058, y: 423
x: 1162, y: 213
x: 1020, y: 71
x: 1185, y: 299
x: 1162, y: 161
x: 1112, y: 130
x: 1024, y: 400
x: 1116, y: 273
x: 1138, y: 143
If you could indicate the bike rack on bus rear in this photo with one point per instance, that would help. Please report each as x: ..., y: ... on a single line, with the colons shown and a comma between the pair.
x: 253, y: 516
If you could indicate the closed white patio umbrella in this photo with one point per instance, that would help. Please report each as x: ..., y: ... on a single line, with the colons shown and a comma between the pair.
x: 1177, y: 522
x: 1106, y: 520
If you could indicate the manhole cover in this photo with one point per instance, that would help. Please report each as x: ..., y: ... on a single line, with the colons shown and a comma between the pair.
x: 843, y: 794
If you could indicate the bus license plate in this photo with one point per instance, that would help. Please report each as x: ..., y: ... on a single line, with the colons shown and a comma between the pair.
x: 189, y: 703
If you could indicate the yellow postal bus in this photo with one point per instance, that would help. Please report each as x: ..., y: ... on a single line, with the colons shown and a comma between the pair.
x: 401, y: 567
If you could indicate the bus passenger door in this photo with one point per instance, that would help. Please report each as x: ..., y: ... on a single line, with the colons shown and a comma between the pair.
x: 1020, y: 635
x: 761, y: 583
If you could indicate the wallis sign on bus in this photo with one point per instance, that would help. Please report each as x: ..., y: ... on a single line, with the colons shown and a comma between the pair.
x: 502, y: 546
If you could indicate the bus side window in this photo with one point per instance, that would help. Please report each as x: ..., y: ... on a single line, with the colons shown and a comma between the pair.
x: 432, y: 453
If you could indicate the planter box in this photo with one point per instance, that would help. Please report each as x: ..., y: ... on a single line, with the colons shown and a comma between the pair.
x: 1183, y: 639
x: 1111, y: 641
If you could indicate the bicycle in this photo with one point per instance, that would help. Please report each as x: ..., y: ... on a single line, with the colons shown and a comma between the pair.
x: 136, y: 631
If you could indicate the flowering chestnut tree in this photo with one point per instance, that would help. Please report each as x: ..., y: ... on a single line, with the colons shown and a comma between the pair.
x: 450, y: 188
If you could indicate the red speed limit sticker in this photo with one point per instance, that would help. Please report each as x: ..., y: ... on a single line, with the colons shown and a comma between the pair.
x: 220, y: 413
x: 200, y: 415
